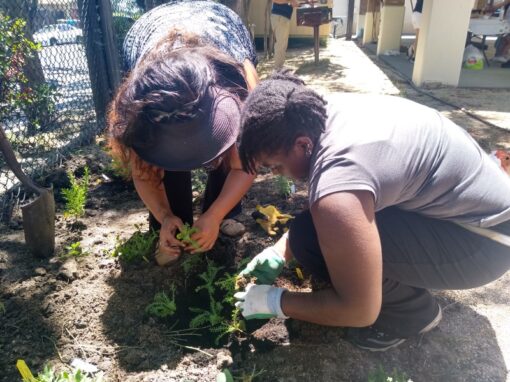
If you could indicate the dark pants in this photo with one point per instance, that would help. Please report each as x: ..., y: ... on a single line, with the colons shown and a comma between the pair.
x: 419, y: 253
x: 179, y: 194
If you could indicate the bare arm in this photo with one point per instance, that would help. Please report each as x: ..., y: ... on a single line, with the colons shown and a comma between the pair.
x: 154, y: 197
x: 236, y: 185
x: 349, y: 241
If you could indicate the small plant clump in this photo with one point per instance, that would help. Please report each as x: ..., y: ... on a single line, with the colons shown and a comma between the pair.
x: 227, y: 376
x: 185, y: 235
x: 162, y: 306
x: 138, y: 247
x: 74, y: 251
x: 214, y: 318
x: 76, y: 195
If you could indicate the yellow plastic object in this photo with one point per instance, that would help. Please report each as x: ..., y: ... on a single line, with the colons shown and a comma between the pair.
x: 271, y: 218
x: 299, y: 273
x: 25, y: 372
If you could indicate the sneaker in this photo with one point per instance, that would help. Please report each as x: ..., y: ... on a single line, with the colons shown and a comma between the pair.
x: 373, y: 339
x: 500, y: 59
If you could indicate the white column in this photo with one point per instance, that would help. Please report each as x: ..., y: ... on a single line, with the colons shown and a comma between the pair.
x: 441, y: 41
x: 392, y: 20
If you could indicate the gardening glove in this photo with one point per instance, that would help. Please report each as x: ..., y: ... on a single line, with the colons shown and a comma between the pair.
x: 269, y: 218
x: 260, y: 301
x: 266, y: 266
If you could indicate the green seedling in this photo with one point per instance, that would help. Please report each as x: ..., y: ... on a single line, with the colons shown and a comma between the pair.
x: 285, y: 186
x: 50, y: 375
x: 235, y: 325
x: 76, y: 195
x: 380, y: 375
x: 74, y: 251
x: 162, y: 306
x: 207, y: 318
x: 209, y: 277
x: 185, y: 235
x: 138, y: 247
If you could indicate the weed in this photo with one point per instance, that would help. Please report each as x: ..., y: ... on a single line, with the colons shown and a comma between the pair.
x: 138, y: 247
x: 162, y: 306
x: 76, y: 195
x: 185, y: 235
x: 380, y: 375
x: 74, y: 251
x: 50, y: 375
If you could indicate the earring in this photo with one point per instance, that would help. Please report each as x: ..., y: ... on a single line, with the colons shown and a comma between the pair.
x: 308, y: 151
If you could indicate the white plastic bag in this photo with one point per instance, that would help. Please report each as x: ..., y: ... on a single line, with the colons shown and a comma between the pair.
x: 473, y: 58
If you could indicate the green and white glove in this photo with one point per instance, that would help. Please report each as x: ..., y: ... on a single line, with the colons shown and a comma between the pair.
x: 266, y: 266
x: 260, y: 301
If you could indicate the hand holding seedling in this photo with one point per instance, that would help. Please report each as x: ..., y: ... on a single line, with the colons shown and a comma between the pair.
x: 207, y: 230
x: 266, y: 266
x: 168, y: 243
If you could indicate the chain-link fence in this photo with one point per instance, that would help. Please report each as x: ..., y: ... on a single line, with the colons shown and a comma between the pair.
x: 59, y: 67
x: 54, y: 94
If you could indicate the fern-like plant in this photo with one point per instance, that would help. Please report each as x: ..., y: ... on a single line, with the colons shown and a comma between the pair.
x: 162, y: 306
x: 138, y: 247
x: 76, y: 195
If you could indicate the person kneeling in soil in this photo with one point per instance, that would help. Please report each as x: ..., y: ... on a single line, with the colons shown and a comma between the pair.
x: 401, y: 200
x: 191, y: 65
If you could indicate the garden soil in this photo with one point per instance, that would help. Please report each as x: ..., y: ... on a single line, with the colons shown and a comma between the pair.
x: 94, y: 309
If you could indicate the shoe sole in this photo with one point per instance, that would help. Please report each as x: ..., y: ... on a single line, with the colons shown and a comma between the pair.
x: 435, y: 322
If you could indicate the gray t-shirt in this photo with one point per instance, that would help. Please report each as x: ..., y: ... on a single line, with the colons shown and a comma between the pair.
x: 409, y: 156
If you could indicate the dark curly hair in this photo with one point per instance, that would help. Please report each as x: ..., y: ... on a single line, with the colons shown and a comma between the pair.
x: 167, y: 86
x: 279, y: 110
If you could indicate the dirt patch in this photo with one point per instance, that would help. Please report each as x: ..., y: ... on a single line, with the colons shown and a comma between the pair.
x: 99, y: 315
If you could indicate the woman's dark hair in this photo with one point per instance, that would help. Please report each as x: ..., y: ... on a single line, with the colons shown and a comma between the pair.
x: 167, y: 86
x: 279, y: 110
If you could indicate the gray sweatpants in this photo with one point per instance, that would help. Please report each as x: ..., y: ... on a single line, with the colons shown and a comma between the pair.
x: 419, y: 253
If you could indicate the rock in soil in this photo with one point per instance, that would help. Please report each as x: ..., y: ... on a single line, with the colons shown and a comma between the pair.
x: 232, y: 228
x: 69, y: 270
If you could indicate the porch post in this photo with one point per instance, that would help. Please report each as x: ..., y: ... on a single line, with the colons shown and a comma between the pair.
x: 372, y: 17
x: 441, y: 41
x: 392, y: 21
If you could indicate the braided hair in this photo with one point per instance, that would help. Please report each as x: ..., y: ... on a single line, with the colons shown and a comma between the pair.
x: 278, y: 111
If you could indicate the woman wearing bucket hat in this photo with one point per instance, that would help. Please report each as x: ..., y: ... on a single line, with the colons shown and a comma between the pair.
x: 191, y: 64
